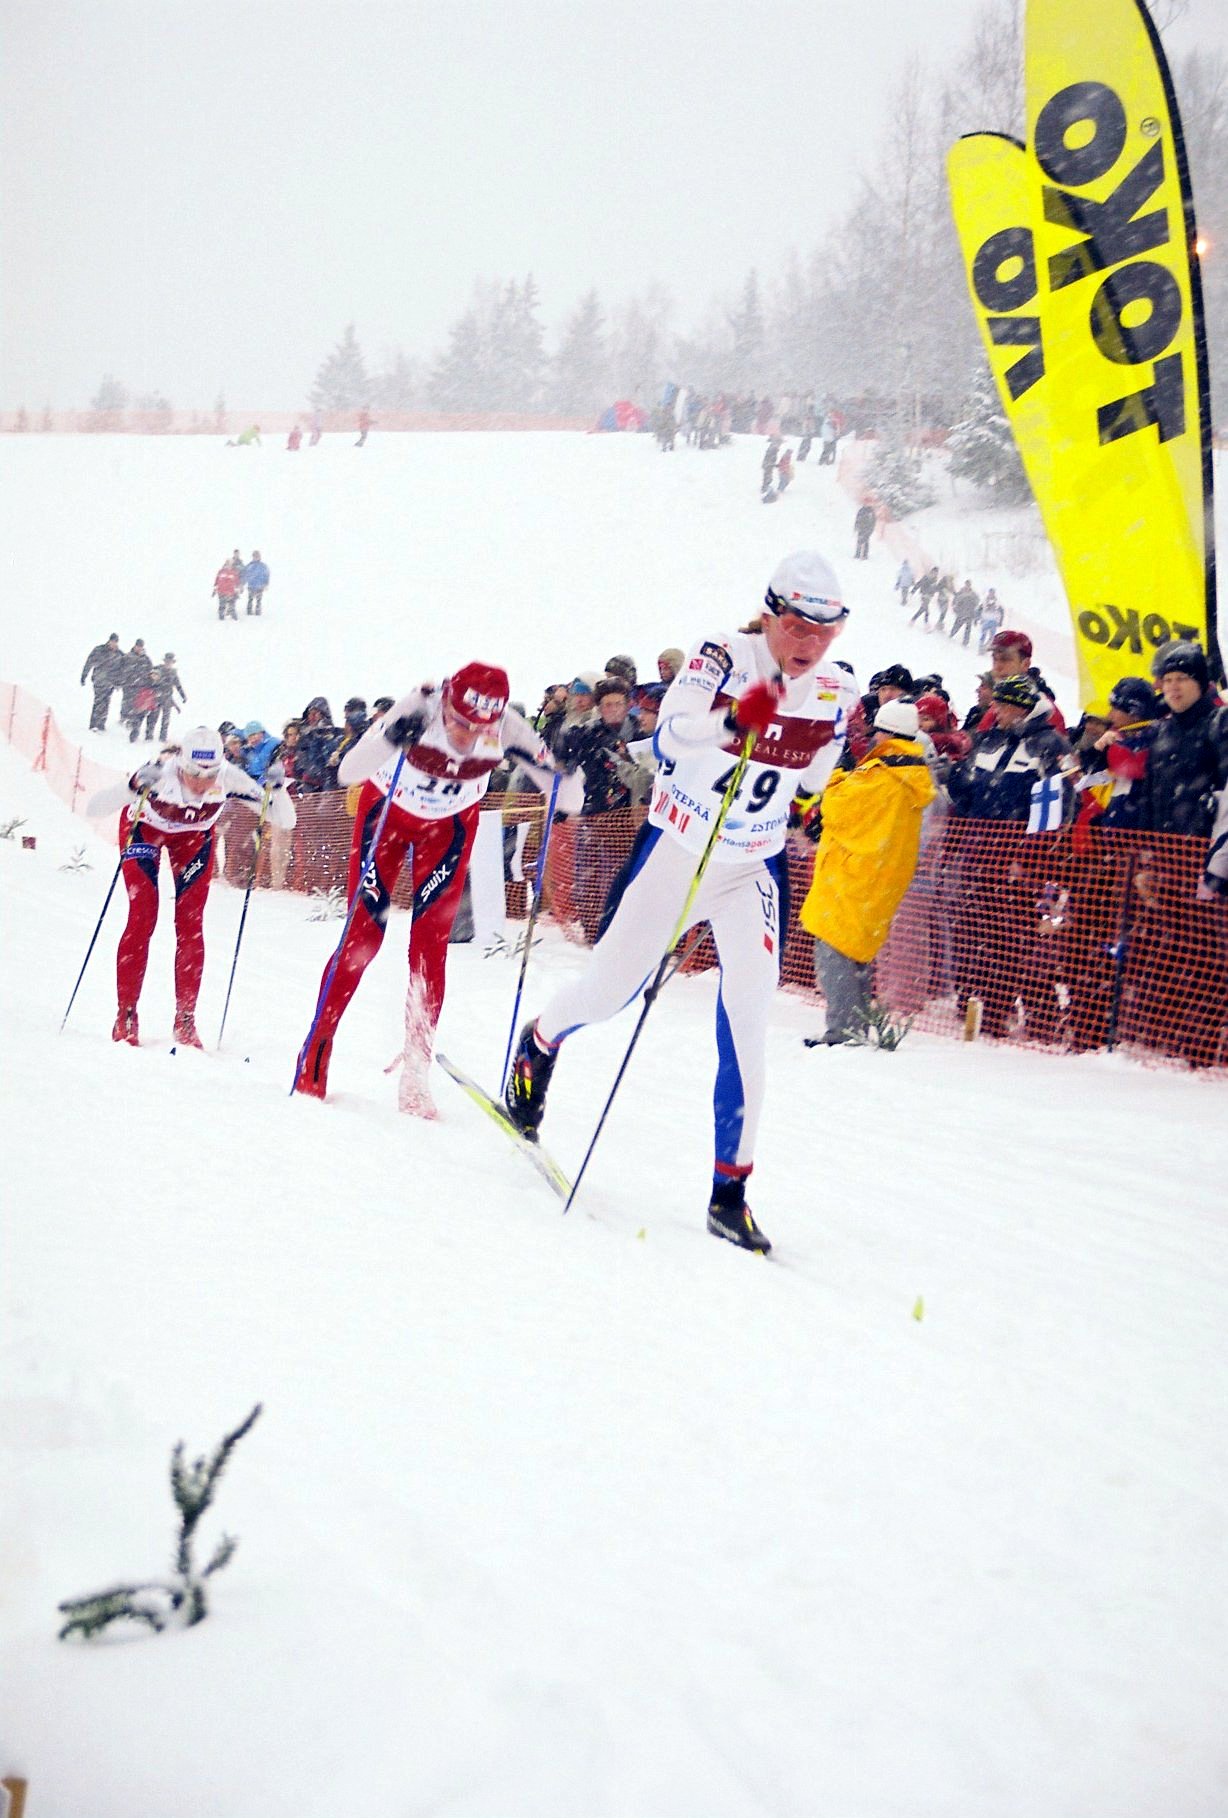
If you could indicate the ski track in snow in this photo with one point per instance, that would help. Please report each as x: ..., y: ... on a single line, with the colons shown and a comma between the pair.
x: 590, y: 1515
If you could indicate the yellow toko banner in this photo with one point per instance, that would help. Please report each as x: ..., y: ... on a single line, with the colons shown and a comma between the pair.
x: 1079, y: 250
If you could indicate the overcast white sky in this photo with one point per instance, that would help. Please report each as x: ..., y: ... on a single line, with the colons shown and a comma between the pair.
x: 199, y: 197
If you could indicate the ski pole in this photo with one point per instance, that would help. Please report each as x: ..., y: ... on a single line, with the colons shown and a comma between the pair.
x: 349, y: 917
x: 665, y: 971
x: 1117, y: 951
x: 247, y: 897
x: 132, y: 830
x: 539, y: 880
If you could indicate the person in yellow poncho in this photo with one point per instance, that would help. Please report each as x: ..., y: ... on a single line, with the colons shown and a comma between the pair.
x: 865, y: 862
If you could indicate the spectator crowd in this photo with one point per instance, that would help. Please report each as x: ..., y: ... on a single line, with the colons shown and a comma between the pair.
x: 1030, y: 949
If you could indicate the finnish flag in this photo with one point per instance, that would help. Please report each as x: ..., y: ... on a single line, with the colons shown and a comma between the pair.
x: 1045, y: 812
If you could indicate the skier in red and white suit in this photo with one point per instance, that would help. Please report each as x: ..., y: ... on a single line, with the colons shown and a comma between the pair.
x: 453, y: 738
x: 172, y: 805
x: 776, y: 683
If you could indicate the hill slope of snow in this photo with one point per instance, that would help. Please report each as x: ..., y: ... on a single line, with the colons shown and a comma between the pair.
x: 544, y: 1516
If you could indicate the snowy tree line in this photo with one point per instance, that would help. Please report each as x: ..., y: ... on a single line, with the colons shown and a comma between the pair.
x: 878, y: 307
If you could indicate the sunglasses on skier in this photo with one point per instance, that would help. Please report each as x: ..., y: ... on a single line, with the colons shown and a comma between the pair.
x: 801, y: 629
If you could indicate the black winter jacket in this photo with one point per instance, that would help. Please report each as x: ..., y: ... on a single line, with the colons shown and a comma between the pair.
x: 593, y: 746
x: 1188, y: 765
x: 106, y: 663
x: 995, y: 780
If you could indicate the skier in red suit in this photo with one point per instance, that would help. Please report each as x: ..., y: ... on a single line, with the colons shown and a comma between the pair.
x: 171, y: 805
x: 453, y: 738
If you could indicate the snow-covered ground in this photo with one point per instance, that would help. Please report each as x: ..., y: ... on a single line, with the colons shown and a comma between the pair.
x: 924, y: 1517
x: 545, y: 552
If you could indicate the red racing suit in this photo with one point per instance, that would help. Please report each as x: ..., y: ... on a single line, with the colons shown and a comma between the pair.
x: 431, y: 820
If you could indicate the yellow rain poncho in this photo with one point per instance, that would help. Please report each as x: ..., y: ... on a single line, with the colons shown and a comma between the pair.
x: 868, y: 851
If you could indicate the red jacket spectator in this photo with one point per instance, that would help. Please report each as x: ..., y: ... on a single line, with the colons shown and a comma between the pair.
x: 935, y: 717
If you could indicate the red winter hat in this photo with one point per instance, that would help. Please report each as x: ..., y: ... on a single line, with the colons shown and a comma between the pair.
x: 478, y: 693
x: 935, y: 708
x: 1014, y: 640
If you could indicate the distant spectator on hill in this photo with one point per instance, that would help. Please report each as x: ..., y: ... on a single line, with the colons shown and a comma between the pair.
x: 784, y: 471
x: 829, y: 436
x: 942, y: 600
x: 249, y: 439
x: 767, y: 489
x: 168, y: 687
x: 105, y: 664
x: 863, y: 530
x: 925, y: 589
x: 904, y: 581
x: 133, y: 677
x: 144, y: 714
x: 317, y: 429
x: 992, y: 614
x: 964, y: 609
x: 255, y: 577
x: 226, y: 584
x: 365, y: 421
x: 294, y: 440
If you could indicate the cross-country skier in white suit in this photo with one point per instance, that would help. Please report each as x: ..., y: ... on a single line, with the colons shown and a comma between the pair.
x: 776, y: 682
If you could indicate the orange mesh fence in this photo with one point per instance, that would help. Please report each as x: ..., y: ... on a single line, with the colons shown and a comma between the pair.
x: 1052, y: 942
x: 29, y: 726
x: 1063, y: 942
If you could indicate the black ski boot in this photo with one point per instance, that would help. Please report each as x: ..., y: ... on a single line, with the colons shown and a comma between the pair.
x: 730, y: 1217
x: 528, y: 1081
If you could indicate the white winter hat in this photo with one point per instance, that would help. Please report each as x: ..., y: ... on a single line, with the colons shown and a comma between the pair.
x: 805, y: 583
x: 202, y: 751
x: 898, y: 717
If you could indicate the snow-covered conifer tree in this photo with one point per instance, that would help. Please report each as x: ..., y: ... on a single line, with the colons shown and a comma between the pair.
x: 981, y: 446
x: 579, y: 379
x: 342, y: 382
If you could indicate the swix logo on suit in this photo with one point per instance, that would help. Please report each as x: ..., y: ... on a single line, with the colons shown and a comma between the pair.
x: 797, y: 750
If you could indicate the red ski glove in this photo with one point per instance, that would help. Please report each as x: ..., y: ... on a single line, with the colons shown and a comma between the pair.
x: 755, y: 710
